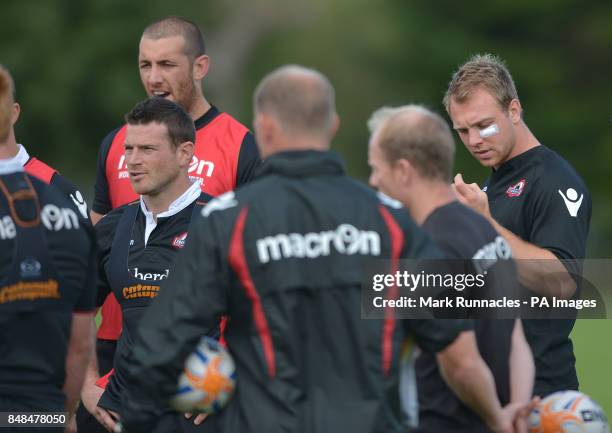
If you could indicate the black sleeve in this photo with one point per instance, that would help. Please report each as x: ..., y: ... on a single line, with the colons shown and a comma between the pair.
x: 553, y: 226
x: 72, y: 193
x: 190, y: 304
x: 87, y: 300
x: 435, y: 335
x: 101, y: 203
x: 248, y: 160
x: 105, y: 232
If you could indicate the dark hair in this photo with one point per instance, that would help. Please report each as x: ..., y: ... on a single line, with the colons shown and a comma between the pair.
x: 159, y: 110
x: 178, y: 26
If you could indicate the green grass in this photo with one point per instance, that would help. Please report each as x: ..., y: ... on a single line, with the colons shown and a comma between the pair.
x: 593, y: 348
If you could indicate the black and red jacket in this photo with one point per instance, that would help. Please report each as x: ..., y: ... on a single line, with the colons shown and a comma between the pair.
x: 285, y: 257
x: 225, y: 157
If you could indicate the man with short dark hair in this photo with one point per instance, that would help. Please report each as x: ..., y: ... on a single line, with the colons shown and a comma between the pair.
x: 138, y: 242
x: 411, y: 154
x: 534, y: 198
x: 173, y: 63
x: 285, y: 257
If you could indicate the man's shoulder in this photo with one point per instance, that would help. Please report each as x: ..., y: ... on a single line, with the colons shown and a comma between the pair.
x: 226, y: 125
x: 111, y: 219
x: 551, y: 165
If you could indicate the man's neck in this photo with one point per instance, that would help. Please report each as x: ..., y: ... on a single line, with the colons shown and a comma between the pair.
x: 199, y: 108
x: 9, y: 149
x: 158, y: 203
x: 427, y: 197
x: 525, y: 140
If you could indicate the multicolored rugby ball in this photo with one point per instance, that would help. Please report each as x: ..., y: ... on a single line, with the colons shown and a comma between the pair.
x: 568, y: 412
x: 208, y: 380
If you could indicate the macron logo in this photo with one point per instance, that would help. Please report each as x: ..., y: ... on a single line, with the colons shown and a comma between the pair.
x: 571, y: 200
x: 346, y: 239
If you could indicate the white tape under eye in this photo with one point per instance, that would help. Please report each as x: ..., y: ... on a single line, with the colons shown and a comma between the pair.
x: 489, y: 131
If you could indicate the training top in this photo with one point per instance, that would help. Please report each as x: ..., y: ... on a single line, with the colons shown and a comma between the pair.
x: 47, y: 273
x: 35, y: 167
x: 538, y: 196
x: 285, y: 257
x: 463, y: 235
x: 225, y: 157
x: 135, y: 260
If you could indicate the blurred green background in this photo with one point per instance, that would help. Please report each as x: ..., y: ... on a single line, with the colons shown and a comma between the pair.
x: 76, y: 73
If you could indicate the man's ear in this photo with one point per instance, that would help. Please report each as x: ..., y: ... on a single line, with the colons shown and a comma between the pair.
x: 334, y: 126
x: 15, y: 112
x: 200, y: 67
x: 185, y: 152
x: 404, y: 172
x: 515, y: 110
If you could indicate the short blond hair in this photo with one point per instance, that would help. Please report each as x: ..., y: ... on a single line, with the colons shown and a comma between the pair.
x: 481, y: 71
x: 418, y: 135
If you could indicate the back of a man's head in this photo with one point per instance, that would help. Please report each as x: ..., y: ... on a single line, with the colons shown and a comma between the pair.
x: 159, y: 110
x: 7, y: 91
x: 301, y: 99
x: 418, y: 135
x: 178, y: 26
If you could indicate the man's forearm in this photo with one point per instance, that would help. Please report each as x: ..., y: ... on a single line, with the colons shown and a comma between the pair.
x: 79, y: 354
x: 470, y: 378
x: 522, y: 368
x: 538, y: 269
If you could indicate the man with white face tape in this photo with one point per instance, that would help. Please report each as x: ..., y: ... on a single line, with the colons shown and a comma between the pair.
x: 534, y: 198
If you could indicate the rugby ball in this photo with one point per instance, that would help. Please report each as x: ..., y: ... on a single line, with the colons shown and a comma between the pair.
x: 208, y: 380
x: 568, y: 412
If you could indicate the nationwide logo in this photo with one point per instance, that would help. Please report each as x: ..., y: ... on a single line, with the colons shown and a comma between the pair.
x: 346, y: 239
x: 179, y: 241
x: 517, y: 189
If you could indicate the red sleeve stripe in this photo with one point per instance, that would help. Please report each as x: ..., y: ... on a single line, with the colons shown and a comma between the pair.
x: 238, y: 263
x: 397, y: 243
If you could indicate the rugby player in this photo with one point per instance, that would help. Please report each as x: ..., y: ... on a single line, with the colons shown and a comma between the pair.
x: 138, y: 242
x: 411, y: 154
x: 534, y: 198
x: 47, y: 287
x: 35, y: 166
x: 305, y: 359
x: 173, y: 62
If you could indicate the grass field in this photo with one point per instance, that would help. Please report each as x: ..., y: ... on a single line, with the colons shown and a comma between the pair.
x: 593, y: 349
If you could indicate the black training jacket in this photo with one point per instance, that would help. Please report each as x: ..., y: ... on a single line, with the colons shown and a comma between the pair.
x: 285, y: 257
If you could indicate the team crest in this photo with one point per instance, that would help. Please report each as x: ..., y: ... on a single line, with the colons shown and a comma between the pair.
x: 517, y: 189
x: 179, y: 241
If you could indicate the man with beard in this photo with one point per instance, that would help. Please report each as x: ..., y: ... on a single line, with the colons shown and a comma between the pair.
x: 172, y: 61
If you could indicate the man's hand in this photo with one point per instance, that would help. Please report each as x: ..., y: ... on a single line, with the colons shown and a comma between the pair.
x: 199, y: 419
x: 108, y: 418
x: 514, y: 416
x: 472, y: 196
